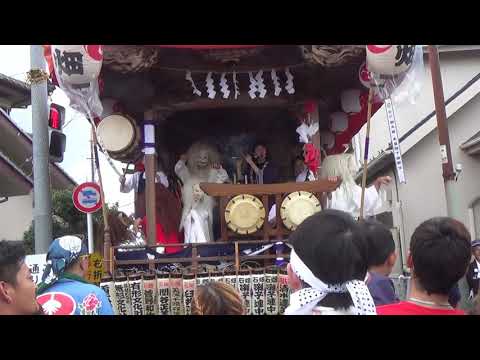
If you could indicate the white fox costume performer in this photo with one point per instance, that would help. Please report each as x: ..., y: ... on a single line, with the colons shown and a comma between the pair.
x: 198, y: 206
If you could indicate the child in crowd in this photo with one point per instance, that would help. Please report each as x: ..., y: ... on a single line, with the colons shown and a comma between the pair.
x: 381, y: 259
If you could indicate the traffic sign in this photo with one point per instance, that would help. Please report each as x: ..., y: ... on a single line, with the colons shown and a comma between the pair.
x: 87, y: 197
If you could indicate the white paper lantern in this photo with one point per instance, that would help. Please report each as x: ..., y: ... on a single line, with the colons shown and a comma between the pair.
x: 77, y: 65
x: 389, y: 60
x: 350, y: 101
x: 338, y: 122
x: 327, y: 140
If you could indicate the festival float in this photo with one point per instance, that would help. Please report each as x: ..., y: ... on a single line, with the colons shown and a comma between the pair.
x: 197, y: 106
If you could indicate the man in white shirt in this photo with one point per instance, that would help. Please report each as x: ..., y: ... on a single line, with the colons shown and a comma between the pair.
x: 137, y: 182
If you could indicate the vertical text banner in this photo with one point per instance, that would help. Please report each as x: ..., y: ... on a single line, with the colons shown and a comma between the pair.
x: 397, y: 153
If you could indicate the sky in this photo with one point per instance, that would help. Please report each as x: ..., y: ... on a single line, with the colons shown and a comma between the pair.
x: 15, y: 62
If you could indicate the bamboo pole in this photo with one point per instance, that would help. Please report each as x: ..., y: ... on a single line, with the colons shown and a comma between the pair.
x: 107, y: 242
x: 365, y: 156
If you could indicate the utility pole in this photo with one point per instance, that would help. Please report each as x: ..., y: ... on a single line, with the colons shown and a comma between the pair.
x: 453, y: 207
x: 42, y: 212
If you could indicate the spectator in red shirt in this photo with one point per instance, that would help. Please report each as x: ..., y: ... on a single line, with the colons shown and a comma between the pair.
x: 439, y: 257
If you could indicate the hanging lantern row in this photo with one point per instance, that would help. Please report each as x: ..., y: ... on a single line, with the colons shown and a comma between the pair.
x: 229, y: 86
x: 344, y: 125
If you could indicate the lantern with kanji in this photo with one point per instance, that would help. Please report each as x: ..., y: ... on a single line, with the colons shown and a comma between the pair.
x: 389, y: 60
x: 77, y: 65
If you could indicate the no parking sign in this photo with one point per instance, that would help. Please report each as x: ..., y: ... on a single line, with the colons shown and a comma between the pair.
x: 87, y: 197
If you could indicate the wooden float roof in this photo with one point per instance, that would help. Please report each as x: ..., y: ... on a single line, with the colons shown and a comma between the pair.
x: 142, y: 76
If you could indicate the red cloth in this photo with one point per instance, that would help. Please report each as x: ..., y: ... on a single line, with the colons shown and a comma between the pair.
x: 408, y: 308
x: 312, y: 157
x: 139, y: 167
x: 173, y: 238
x: 309, y: 107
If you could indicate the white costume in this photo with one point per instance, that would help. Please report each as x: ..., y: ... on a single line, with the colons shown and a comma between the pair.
x: 197, y: 214
x: 348, y: 195
x: 132, y: 181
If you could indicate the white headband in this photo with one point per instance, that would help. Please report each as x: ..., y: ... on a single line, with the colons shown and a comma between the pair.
x: 303, y: 302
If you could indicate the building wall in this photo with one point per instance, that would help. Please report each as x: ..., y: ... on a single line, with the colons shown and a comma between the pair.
x: 16, y: 215
x: 423, y: 196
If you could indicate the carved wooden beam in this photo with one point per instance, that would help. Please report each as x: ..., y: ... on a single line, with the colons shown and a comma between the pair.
x: 318, y: 186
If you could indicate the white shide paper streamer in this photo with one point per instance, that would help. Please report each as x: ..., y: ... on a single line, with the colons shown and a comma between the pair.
x: 188, y: 77
x: 210, y: 86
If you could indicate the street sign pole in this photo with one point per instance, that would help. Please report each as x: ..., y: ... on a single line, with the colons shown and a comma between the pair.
x: 42, y: 211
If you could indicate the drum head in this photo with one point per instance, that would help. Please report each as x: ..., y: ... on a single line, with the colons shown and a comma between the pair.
x: 297, y: 207
x: 117, y: 132
x: 245, y: 214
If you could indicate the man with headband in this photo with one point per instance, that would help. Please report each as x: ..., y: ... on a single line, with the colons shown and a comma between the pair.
x: 64, y: 290
x: 327, y: 268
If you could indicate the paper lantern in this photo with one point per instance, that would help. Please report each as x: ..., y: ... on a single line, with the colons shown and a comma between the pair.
x: 327, y: 139
x: 77, y: 65
x: 389, y: 60
x: 338, y: 122
x: 350, y: 101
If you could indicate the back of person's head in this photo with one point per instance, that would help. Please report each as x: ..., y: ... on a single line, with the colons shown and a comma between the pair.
x: 380, y: 243
x: 217, y: 298
x: 12, y: 256
x: 17, y: 289
x: 440, y: 254
x: 331, y: 244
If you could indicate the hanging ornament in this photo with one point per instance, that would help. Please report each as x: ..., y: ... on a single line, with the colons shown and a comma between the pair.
x: 338, y: 122
x: 260, y: 84
x: 210, y: 87
x: 235, y: 85
x: 276, y: 82
x: 327, y: 140
x: 188, y: 77
x: 289, y: 87
x: 350, y: 101
x: 224, y: 86
x: 253, y: 86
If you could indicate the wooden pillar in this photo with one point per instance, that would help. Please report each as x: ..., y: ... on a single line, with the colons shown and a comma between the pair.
x: 150, y: 174
x: 314, y: 117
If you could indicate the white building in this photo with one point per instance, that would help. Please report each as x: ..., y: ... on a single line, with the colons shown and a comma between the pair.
x: 16, y: 168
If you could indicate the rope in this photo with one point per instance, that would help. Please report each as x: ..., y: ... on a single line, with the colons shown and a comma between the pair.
x: 36, y: 76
